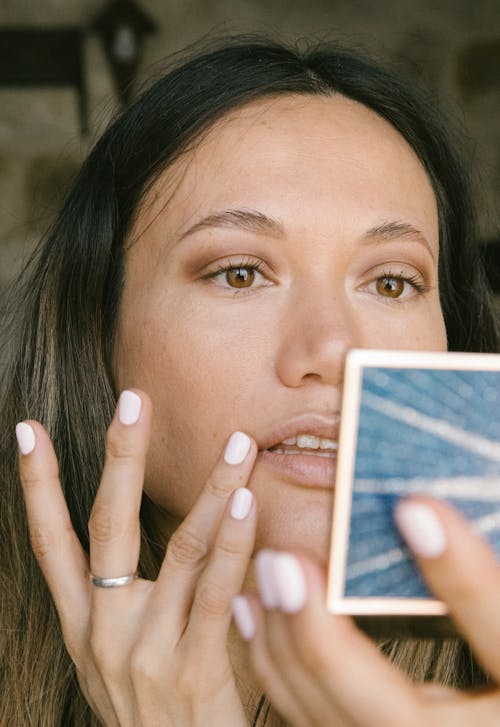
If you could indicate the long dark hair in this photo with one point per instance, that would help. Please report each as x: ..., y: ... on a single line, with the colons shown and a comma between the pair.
x: 61, y: 334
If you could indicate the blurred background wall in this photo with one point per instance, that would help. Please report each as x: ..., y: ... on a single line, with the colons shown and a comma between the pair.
x: 453, y: 46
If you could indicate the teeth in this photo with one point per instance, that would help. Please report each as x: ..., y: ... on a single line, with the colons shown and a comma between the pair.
x: 311, y: 442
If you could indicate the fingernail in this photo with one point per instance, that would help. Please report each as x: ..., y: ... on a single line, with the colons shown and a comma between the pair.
x: 243, y: 617
x: 129, y: 407
x: 290, y: 582
x: 421, y: 528
x: 25, y: 437
x: 237, y: 448
x: 265, y: 578
x: 241, y: 503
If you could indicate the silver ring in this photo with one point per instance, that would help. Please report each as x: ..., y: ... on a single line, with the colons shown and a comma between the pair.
x: 112, y: 582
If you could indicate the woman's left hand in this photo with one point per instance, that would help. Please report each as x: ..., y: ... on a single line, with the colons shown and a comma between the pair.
x: 319, y: 669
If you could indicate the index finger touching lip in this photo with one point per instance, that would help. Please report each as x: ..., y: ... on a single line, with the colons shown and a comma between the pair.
x: 193, y: 539
x: 232, y: 470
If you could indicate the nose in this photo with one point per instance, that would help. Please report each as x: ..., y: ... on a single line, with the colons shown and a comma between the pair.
x: 318, y: 328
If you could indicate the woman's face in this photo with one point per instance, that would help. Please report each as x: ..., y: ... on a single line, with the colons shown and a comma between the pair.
x: 337, y: 212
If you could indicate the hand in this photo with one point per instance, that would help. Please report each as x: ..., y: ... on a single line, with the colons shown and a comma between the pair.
x: 319, y: 669
x: 148, y: 653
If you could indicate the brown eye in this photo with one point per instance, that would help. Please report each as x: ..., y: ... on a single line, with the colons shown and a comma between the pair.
x: 240, y: 277
x: 390, y: 287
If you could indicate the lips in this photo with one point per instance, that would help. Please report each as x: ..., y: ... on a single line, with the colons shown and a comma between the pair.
x: 301, y: 468
x: 305, y: 470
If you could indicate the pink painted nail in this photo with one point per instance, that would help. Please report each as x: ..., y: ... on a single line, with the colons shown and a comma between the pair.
x: 421, y: 528
x: 129, y: 407
x: 243, y: 617
x: 237, y: 448
x: 241, y: 503
x: 290, y: 582
x: 25, y: 437
x: 265, y: 578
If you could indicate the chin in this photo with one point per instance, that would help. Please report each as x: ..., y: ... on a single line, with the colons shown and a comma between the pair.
x: 295, y: 519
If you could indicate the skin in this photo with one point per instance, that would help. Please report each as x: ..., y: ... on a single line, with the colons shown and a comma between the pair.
x: 205, y: 363
x: 315, y: 164
x: 316, y: 666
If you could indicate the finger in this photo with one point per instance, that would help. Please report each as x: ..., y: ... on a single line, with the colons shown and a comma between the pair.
x: 339, y: 658
x: 114, y: 527
x: 55, y: 544
x: 319, y: 707
x: 224, y: 574
x: 283, y: 654
x: 189, y: 546
x: 460, y: 569
x: 249, y: 618
x: 434, y: 692
x: 482, y: 709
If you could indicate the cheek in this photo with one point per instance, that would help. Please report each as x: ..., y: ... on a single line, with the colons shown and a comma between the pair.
x: 416, y: 327
x: 203, y: 375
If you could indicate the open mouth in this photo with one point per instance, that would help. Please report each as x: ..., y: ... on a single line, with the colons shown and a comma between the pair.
x: 303, y: 450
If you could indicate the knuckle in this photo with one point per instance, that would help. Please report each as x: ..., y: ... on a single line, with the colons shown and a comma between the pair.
x: 32, y: 479
x: 213, y: 600
x: 201, y: 678
x: 119, y: 447
x: 45, y: 541
x: 229, y: 548
x: 42, y: 541
x: 187, y: 681
x: 143, y: 668
x: 103, y: 656
x: 218, y: 488
x: 106, y: 527
x: 186, y: 548
x: 100, y: 655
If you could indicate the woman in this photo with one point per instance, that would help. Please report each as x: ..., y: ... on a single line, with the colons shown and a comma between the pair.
x: 257, y: 212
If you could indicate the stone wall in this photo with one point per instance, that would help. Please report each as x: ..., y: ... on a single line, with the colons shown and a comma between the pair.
x: 452, y: 45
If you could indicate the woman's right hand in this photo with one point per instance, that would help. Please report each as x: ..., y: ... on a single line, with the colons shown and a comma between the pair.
x: 147, y: 653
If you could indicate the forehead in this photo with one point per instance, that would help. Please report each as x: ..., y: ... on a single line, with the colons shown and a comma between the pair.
x: 311, y: 154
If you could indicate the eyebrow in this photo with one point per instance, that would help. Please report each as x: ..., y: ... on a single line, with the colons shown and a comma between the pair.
x: 254, y: 221
x: 388, y: 231
x: 242, y: 219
